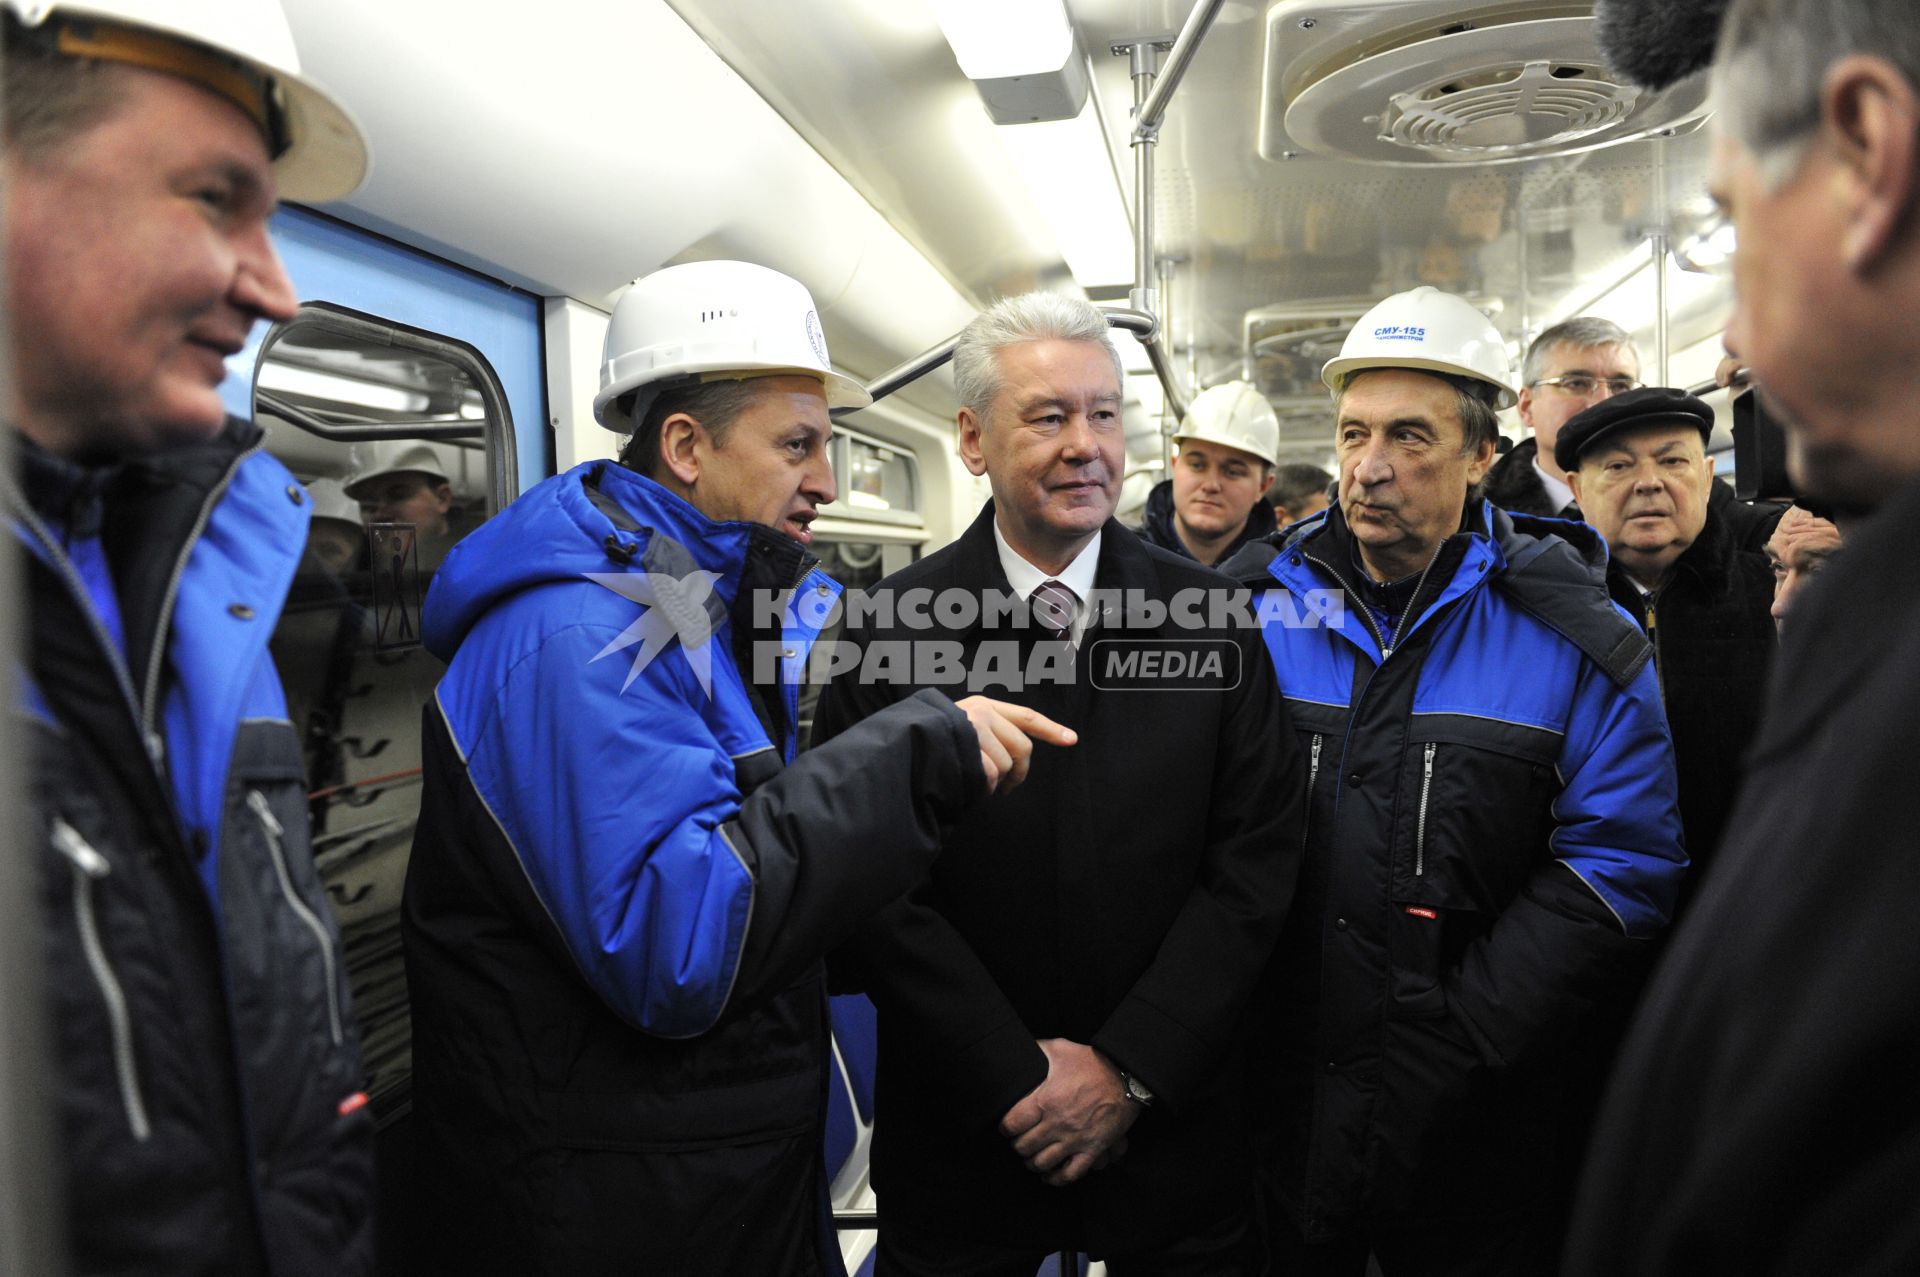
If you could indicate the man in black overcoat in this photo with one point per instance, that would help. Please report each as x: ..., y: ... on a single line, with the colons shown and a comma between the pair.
x: 1063, y: 1001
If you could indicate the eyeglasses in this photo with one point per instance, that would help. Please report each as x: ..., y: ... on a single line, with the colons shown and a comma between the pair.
x: 1581, y: 384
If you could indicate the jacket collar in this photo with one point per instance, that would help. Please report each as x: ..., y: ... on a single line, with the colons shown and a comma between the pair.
x: 1550, y: 568
x: 1125, y: 566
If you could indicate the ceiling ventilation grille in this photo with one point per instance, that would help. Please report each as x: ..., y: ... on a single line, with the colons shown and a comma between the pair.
x: 1532, y: 107
x: 1420, y: 82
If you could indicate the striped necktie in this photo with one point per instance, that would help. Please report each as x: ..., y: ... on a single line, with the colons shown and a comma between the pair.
x: 1053, y: 607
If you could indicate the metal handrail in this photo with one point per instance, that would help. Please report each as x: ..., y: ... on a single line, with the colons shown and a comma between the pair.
x: 1138, y: 322
x: 339, y: 432
x: 1155, y: 107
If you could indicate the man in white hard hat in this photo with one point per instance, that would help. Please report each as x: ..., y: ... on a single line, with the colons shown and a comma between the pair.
x: 1493, y: 831
x: 403, y: 481
x: 337, y: 536
x: 623, y: 881
x: 208, y: 1080
x: 1222, y: 467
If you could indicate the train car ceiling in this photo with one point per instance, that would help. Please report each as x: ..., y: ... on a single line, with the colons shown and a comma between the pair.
x: 571, y: 151
x: 1270, y: 247
x: 842, y: 142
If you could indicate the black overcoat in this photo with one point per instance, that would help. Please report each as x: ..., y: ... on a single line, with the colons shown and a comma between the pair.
x: 1127, y: 895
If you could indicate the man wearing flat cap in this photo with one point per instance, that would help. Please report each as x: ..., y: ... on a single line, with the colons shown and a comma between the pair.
x: 1638, y: 467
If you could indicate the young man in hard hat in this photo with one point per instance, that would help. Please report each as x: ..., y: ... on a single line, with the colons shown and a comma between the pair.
x: 623, y: 881
x: 1222, y: 467
x: 207, y: 1076
x: 403, y: 481
x: 1493, y: 831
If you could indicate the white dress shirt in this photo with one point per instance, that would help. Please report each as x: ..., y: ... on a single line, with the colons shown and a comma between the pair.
x: 1076, y: 576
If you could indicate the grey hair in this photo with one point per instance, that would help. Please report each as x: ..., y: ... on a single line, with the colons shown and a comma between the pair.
x: 1773, y: 57
x: 716, y: 405
x: 1582, y: 332
x: 1037, y: 316
x: 1473, y: 404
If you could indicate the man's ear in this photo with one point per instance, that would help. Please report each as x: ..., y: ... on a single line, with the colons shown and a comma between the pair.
x: 970, y: 454
x: 442, y: 497
x: 1573, y: 485
x: 1706, y: 484
x: 1266, y: 484
x: 1525, y: 406
x: 1482, y: 461
x: 1869, y: 114
x: 680, y: 439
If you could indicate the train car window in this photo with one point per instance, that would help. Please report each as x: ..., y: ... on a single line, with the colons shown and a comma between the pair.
x: 879, y: 478
x: 879, y: 482
x: 404, y: 444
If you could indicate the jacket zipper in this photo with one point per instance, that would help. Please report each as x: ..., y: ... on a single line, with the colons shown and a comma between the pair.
x: 258, y: 802
x: 1313, y: 777
x: 89, y: 867
x: 1366, y: 613
x: 1420, y: 831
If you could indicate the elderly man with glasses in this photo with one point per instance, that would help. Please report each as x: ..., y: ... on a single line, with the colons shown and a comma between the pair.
x: 1569, y: 368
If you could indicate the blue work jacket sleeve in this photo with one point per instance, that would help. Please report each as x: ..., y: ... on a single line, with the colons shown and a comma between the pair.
x: 677, y: 895
x: 1579, y: 927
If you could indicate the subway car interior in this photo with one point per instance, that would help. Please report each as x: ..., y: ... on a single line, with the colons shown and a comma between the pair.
x: 1237, y: 182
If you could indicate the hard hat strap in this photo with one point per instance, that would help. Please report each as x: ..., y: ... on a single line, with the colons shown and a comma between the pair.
x: 238, y: 83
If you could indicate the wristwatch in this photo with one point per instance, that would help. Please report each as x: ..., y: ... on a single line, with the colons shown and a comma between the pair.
x: 1136, y: 1089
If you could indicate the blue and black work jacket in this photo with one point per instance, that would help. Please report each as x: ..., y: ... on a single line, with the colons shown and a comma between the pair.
x: 623, y: 883
x: 1493, y: 839
x: 209, y: 1084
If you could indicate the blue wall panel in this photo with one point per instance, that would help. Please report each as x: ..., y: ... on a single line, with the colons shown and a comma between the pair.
x: 332, y: 262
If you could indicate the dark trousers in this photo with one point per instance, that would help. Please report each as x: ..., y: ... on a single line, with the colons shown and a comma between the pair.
x: 1222, y: 1249
x: 1522, y: 1247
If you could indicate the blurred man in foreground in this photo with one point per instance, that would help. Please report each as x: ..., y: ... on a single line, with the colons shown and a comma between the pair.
x: 1763, y: 1118
x: 209, y: 1081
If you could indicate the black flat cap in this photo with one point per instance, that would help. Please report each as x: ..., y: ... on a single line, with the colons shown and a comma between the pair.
x: 1647, y: 406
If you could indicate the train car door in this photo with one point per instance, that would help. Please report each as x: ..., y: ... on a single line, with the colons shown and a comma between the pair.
x: 407, y: 397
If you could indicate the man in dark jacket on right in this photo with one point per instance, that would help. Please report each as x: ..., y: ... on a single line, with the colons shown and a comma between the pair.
x: 1639, y: 468
x: 1492, y: 833
x: 1764, y: 1117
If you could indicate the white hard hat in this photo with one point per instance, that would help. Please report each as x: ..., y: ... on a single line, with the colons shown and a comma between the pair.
x: 1234, y: 414
x: 241, y: 49
x: 330, y: 501
x: 1430, y: 331
x: 370, y: 461
x: 706, y: 318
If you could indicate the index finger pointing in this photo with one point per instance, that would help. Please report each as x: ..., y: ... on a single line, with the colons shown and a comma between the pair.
x: 1037, y: 725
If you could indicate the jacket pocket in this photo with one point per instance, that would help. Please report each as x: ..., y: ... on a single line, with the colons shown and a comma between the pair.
x: 89, y: 869
x: 1475, y: 815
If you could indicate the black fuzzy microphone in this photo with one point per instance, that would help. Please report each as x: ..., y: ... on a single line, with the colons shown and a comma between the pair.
x: 1654, y: 43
